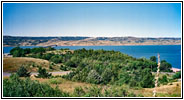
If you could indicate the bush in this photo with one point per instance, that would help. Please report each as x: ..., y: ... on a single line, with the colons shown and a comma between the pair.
x: 42, y: 73
x: 79, y: 92
x: 163, y: 80
x: 117, y: 92
x: 177, y: 75
x: 147, y: 79
x: 94, y: 77
x: 55, y: 81
x: 94, y: 91
x: 106, y: 75
x: 17, y: 52
x: 56, y: 59
x: 23, y: 72
x: 153, y: 58
x: 165, y: 66
x: 64, y: 68
x: 15, y: 87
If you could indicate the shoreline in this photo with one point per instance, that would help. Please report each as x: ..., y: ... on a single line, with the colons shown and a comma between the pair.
x: 99, y: 45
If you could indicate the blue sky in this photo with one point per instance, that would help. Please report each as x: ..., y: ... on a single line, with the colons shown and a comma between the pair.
x: 92, y: 19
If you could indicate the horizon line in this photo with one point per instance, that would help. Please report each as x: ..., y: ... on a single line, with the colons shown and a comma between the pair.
x: 91, y: 36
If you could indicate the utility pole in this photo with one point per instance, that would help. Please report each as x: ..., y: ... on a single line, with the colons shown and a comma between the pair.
x: 157, y: 76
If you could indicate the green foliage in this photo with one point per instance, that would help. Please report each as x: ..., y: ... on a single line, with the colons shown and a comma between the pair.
x: 147, y: 79
x: 163, y: 80
x: 78, y: 92
x: 47, y: 56
x: 38, y: 50
x: 23, y: 72
x: 117, y: 92
x: 105, y: 67
x: 56, y: 59
x: 64, y: 68
x: 15, y: 87
x: 177, y: 75
x: 153, y: 58
x: 94, y: 91
x: 94, y: 77
x: 107, y: 75
x: 165, y: 66
x: 42, y: 73
x: 17, y: 52
x: 55, y: 81
x: 97, y: 91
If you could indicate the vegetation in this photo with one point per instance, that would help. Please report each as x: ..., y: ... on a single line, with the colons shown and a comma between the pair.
x: 15, y: 87
x: 164, y: 80
x: 42, y: 73
x: 100, y: 68
x: 103, y: 67
x: 177, y: 75
x: 23, y: 72
x: 12, y: 64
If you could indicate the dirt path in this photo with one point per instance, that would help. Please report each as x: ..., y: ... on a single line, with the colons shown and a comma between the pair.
x: 35, y: 73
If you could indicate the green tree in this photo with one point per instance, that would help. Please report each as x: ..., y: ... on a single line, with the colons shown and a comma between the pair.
x: 23, y: 72
x: 147, y: 78
x: 106, y: 75
x: 163, y: 80
x: 79, y: 92
x: 153, y: 58
x: 42, y: 73
x: 17, y: 52
x: 177, y: 75
x: 16, y: 87
x: 94, y: 77
x: 165, y: 66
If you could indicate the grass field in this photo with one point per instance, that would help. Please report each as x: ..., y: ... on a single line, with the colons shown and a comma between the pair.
x: 168, y: 90
x: 11, y: 64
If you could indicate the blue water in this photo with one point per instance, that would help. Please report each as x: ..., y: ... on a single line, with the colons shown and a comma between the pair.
x: 170, y: 53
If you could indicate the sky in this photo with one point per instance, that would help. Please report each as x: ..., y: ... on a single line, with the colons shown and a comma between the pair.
x: 92, y: 19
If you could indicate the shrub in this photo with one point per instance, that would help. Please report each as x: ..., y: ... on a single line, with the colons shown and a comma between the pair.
x: 117, y: 92
x: 147, y: 79
x: 17, y: 52
x: 79, y: 92
x: 64, y: 68
x: 23, y: 72
x: 106, y: 75
x: 177, y: 75
x: 153, y: 58
x: 56, y: 59
x: 15, y: 87
x: 94, y: 91
x: 165, y: 66
x: 94, y: 77
x: 42, y: 73
x: 163, y: 80
x: 55, y: 81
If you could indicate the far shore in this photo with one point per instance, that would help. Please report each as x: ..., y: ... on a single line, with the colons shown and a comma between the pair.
x: 96, y: 45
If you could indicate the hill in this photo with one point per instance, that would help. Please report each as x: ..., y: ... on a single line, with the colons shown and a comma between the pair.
x: 86, y: 41
x: 11, y: 64
x: 93, y: 73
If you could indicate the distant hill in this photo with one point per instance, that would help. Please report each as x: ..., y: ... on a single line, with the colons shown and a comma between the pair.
x: 86, y: 41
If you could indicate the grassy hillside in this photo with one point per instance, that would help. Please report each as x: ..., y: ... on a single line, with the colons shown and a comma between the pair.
x: 12, y: 64
x: 85, y: 41
x: 93, y: 73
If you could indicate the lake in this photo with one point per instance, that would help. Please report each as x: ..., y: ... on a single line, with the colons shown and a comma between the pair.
x: 170, y: 53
